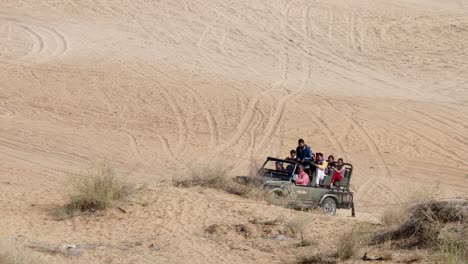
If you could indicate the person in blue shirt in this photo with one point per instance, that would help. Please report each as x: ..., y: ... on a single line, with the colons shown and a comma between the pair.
x: 304, y: 155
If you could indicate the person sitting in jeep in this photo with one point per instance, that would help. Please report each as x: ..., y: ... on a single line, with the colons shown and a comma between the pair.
x: 321, y: 167
x: 339, y: 172
x: 292, y: 155
x: 302, y: 177
x: 304, y: 155
x: 331, y: 162
x: 279, y: 166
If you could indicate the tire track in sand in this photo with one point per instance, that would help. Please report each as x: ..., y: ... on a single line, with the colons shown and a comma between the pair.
x: 135, y: 148
x: 247, y: 118
x: 174, y: 104
x: 371, y: 181
x: 29, y: 39
x: 432, y: 119
x: 164, y: 91
x: 272, y: 123
x: 211, y: 121
x: 373, y: 148
x: 439, y: 147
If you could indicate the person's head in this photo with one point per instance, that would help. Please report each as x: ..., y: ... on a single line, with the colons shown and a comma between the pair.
x: 319, y: 156
x: 340, y: 162
x: 331, y: 158
x: 313, y: 156
x: 301, y: 143
x: 279, y: 165
x: 301, y: 168
x: 293, y: 153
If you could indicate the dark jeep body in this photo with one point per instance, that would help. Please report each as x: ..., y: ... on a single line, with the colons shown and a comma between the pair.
x: 327, y: 197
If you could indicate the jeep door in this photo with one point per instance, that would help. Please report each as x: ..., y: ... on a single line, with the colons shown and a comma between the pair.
x: 299, y: 192
x: 308, y: 194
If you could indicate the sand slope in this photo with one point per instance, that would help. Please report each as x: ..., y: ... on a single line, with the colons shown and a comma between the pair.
x: 155, y: 87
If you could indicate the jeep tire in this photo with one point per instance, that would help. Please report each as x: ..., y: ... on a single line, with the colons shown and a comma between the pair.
x: 328, y: 206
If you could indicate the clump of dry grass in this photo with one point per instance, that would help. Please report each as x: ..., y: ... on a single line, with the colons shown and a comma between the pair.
x: 298, y: 226
x: 212, y: 176
x: 216, y: 177
x: 394, y: 216
x: 98, y: 189
x: 424, y: 223
x: 347, y: 245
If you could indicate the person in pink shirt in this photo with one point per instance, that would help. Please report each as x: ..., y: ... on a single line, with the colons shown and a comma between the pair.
x: 302, y: 177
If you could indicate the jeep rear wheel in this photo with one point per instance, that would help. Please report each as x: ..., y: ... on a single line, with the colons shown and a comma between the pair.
x: 328, y: 206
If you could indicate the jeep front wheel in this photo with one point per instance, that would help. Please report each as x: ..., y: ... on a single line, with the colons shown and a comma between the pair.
x: 328, y: 206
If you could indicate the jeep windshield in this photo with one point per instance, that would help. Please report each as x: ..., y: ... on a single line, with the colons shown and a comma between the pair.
x: 278, y: 169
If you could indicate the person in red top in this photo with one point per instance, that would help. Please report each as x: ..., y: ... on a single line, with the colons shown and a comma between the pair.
x: 339, y: 172
x: 302, y: 177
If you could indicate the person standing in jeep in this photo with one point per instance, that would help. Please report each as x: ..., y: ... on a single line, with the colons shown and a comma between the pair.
x: 304, y: 155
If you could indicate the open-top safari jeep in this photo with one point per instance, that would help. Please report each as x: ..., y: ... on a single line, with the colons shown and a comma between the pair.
x: 280, y: 184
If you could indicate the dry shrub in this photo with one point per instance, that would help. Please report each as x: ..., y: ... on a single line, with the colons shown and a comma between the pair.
x: 424, y: 223
x: 347, y: 245
x: 298, y: 226
x: 316, y: 259
x: 98, y: 189
x: 212, y: 176
x: 394, y: 216
x: 216, y: 177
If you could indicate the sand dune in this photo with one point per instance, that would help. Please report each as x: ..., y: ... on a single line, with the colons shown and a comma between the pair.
x: 155, y: 87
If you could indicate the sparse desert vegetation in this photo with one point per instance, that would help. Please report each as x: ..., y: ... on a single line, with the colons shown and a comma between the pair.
x: 424, y: 223
x: 299, y: 224
x: 394, y: 215
x: 438, y: 225
x: 347, y: 244
x: 97, y: 189
x: 433, y: 231
x: 216, y: 177
x: 211, y: 176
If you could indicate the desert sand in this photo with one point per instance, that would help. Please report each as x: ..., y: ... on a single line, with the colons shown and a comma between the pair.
x: 156, y: 87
